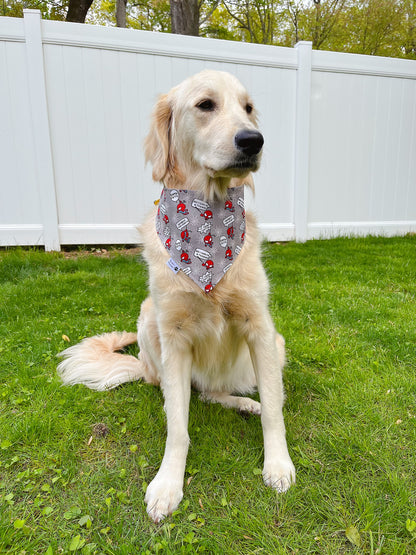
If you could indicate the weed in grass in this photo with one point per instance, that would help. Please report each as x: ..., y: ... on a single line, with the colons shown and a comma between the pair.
x: 74, y: 464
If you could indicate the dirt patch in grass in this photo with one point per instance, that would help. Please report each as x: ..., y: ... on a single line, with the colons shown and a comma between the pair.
x: 71, y: 252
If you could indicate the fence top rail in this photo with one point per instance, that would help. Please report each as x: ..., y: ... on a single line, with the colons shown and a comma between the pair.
x: 165, y: 44
x: 359, y: 64
x: 12, y: 29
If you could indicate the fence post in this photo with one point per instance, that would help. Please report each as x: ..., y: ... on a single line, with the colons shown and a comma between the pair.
x: 302, y: 127
x: 40, y: 128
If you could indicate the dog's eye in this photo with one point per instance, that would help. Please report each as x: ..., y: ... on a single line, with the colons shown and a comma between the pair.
x: 249, y: 108
x: 206, y: 105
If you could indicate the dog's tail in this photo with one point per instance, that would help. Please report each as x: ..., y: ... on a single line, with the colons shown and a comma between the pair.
x: 95, y: 363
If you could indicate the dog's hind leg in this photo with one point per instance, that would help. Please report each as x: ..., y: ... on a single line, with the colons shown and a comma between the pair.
x: 242, y: 404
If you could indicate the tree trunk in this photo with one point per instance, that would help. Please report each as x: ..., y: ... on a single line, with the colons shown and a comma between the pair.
x: 121, y: 13
x: 185, y: 17
x: 77, y: 10
x: 316, y: 31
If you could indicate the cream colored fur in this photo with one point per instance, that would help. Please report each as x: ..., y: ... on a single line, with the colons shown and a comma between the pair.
x: 222, y: 342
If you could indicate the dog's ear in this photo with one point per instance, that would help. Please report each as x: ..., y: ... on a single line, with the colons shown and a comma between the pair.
x: 247, y: 180
x: 158, y: 146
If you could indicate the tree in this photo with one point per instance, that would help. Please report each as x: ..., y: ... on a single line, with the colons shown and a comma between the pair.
x: 153, y: 15
x: 295, y: 10
x: 258, y: 19
x: 409, y: 29
x: 77, y: 10
x: 185, y: 17
x: 324, y: 19
x: 49, y: 9
x: 121, y: 6
x: 375, y: 25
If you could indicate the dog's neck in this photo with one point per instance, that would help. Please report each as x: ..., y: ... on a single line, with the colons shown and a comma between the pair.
x: 212, y: 188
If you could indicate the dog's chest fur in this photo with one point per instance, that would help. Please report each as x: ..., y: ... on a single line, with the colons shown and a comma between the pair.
x: 215, y: 324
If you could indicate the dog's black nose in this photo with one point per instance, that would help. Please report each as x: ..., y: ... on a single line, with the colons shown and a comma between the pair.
x: 249, y: 141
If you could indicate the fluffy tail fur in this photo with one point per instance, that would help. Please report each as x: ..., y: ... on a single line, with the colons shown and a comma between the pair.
x: 94, y: 362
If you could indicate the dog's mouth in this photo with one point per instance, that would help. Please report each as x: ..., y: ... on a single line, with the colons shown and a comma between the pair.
x: 237, y: 168
x: 243, y: 165
x: 247, y: 163
x: 240, y: 168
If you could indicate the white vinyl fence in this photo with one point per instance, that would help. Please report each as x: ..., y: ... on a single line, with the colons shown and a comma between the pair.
x: 75, y: 100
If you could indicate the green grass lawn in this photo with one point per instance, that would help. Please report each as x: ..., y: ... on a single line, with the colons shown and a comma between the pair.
x: 74, y: 464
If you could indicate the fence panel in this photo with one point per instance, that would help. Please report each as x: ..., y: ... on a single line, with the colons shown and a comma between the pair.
x: 362, y: 145
x: 100, y: 95
x: 20, y: 212
x: 75, y: 104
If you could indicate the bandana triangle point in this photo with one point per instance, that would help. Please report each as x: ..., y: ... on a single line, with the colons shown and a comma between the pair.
x: 202, y: 238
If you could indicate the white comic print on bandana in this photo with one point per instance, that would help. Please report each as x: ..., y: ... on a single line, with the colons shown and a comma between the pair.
x: 202, y: 238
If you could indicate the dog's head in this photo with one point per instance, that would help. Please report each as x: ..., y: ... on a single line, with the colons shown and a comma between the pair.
x: 204, y: 135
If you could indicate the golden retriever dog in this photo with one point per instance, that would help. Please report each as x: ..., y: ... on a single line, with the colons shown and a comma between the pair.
x: 218, y: 338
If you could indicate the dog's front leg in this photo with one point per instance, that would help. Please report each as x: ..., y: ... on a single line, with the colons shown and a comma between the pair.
x: 165, y: 492
x: 264, y: 345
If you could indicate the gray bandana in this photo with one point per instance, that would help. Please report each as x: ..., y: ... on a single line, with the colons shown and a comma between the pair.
x: 203, y: 238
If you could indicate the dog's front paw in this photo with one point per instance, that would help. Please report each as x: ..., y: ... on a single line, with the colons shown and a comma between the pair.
x: 162, y: 497
x: 279, y: 475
